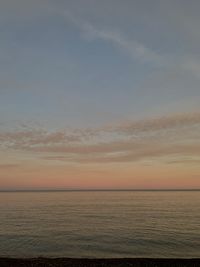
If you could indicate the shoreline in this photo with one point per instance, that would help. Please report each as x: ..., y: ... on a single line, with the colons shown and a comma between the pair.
x: 107, y: 262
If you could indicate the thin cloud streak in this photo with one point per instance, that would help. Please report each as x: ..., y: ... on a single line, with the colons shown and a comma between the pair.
x: 134, y: 48
x: 128, y: 142
x: 8, y: 166
x: 137, y: 50
x: 162, y: 123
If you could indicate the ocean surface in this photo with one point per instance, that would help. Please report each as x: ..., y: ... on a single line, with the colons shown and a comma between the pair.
x: 100, y: 224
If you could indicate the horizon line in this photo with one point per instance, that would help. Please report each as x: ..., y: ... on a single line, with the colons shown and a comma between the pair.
x: 97, y: 190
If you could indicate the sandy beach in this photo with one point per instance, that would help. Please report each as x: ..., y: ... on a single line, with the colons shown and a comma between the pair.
x: 137, y: 262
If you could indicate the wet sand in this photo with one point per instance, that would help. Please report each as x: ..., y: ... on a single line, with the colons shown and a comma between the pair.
x: 68, y: 262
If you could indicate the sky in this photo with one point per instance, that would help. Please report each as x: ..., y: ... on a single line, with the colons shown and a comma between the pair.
x: 99, y: 94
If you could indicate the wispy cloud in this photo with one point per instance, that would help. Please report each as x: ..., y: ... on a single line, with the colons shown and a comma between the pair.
x: 133, y: 48
x: 8, y: 166
x: 164, y: 123
x: 184, y: 161
x: 176, y: 135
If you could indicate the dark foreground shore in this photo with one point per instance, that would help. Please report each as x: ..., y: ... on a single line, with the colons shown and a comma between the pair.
x: 44, y: 262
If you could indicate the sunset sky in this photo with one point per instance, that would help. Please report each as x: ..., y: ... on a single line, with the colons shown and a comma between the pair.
x: 99, y: 94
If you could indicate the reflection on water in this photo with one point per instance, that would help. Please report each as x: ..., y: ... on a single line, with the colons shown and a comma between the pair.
x: 100, y: 224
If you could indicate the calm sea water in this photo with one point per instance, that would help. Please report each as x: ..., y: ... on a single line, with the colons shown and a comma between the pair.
x: 100, y: 224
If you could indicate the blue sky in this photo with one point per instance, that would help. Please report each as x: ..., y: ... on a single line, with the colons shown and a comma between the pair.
x: 85, y: 65
x: 90, y: 62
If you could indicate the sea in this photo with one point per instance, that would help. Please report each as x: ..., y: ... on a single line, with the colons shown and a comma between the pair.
x: 100, y: 224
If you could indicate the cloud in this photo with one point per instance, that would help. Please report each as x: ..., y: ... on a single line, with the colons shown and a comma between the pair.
x: 184, y: 23
x: 133, y: 48
x: 130, y: 152
x: 8, y: 166
x: 31, y: 138
x: 184, y: 161
x: 173, y: 122
x: 175, y: 135
x: 146, y: 155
